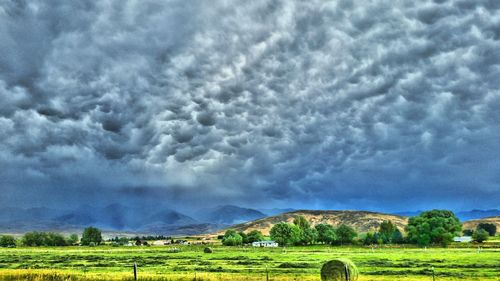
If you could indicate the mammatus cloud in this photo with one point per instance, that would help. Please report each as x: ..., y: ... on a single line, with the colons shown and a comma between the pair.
x: 321, y: 104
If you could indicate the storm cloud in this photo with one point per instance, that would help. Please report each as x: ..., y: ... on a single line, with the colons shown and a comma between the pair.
x: 386, y: 105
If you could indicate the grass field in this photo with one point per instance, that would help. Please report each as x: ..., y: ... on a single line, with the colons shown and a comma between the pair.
x: 240, y: 263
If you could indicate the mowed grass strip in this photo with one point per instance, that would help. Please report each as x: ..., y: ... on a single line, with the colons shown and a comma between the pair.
x: 245, y: 263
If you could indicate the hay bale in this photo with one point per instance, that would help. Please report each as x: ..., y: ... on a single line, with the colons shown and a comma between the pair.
x: 335, y: 270
x: 208, y: 250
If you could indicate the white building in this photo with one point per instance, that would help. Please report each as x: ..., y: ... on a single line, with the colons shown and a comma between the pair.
x: 265, y: 244
x: 462, y: 239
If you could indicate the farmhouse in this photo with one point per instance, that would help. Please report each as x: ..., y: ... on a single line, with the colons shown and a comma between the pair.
x: 462, y: 239
x: 265, y: 244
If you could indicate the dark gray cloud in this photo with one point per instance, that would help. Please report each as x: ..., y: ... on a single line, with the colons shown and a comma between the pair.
x: 341, y: 104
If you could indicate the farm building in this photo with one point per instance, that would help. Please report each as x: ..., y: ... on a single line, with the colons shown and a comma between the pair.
x: 462, y: 239
x: 265, y: 244
x: 161, y: 242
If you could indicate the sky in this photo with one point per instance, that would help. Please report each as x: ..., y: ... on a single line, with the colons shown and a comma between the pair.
x: 378, y: 105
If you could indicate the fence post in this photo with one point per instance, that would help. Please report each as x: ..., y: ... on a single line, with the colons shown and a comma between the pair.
x: 267, y: 274
x: 135, y: 271
x: 346, y: 272
x: 433, y: 274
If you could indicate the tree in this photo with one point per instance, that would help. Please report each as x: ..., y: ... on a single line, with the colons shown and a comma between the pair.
x: 326, y: 233
x: 244, y: 237
x: 301, y: 222
x: 285, y: 234
x: 72, y: 239
x: 255, y: 236
x: 468, y: 232
x: 433, y: 227
x: 397, y: 237
x: 91, y: 235
x: 232, y: 238
x: 480, y: 235
x: 369, y: 239
x: 34, y: 239
x: 489, y: 227
x: 55, y: 239
x: 386, y: 230
x: 345, y: 234
x: 307, y: 235
x: 7, y: 241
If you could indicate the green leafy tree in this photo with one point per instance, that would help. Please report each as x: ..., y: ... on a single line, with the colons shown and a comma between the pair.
x: 244, y: 237
x: 308, y: 235
x: 301, y: 222
x: 326, y: 233
x: 255, y: 236
x: 480, y: 235
x: 345, y: 234
x: 386, y: 230
x: 433, y: 227
x: 91, y: 235
x: 7, y: 241
x: 232, y: 238
x: 491, y: 228
x: 285, y: 234
x: 397, y: 237
x: 72, y: 239
x: 55, y: 239
x: 296, y: 235
x: 369, y: 239
x: 468, y: 232
x: 34, y: 239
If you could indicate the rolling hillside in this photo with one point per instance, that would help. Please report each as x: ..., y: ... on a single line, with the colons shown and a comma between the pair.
x: 362, y: 221
x: 473, y: 223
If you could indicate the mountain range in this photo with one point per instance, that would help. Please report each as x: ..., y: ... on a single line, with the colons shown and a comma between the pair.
x: 120, y: 217
x: 163, y: 220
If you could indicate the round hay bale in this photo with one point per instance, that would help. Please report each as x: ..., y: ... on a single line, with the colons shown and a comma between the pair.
x: 339, y: 270
x: 208, y: 250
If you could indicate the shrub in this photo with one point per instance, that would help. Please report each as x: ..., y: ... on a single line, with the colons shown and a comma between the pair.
x: 208, y: 250
x: 232, y: 238
x: 480, y: 235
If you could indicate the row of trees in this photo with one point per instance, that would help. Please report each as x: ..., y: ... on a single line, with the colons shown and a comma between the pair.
x: 301, y: 233
x: 91, y: 236
x: 233, y: 238
x: 387, y: 233
x: 435, y: 227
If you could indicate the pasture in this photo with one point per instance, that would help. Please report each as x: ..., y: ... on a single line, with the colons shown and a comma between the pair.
x: 245, y: 263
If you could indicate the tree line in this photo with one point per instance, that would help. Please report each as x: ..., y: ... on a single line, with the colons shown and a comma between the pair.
x: 91, y: 236
x: 435, y: 227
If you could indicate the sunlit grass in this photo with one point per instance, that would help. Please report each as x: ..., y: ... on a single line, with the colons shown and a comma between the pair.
x: 240, y: 263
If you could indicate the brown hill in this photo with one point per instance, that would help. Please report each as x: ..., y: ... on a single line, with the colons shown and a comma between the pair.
x: 362, y: 221
x: 471, y: 224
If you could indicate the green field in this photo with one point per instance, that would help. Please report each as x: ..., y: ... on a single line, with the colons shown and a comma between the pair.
x: 245, y: 263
